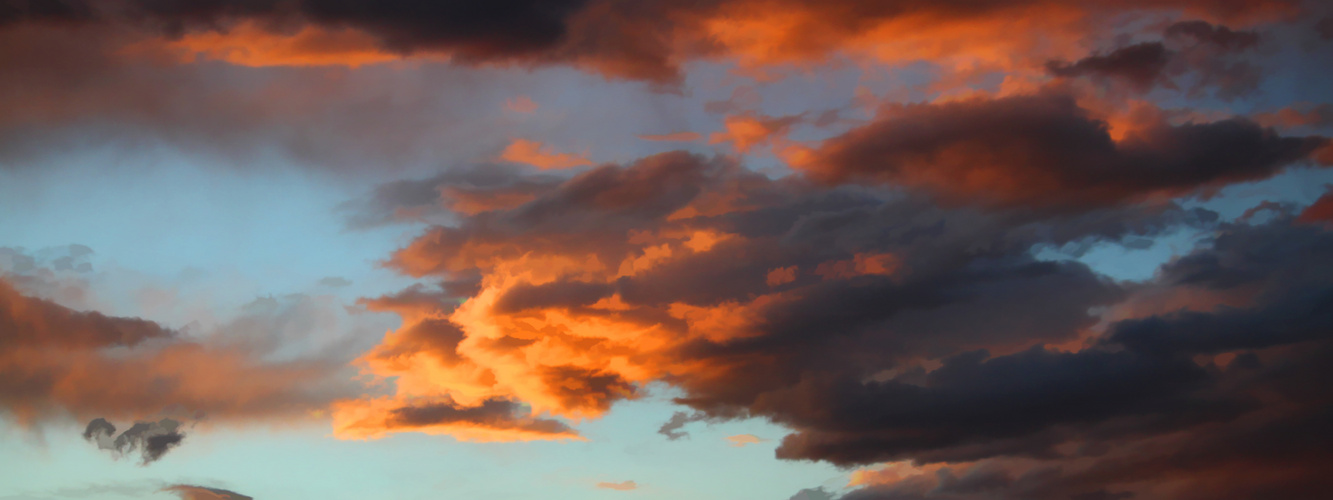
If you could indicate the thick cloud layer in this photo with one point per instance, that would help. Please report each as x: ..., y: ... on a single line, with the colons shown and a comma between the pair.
x: 642, y: 40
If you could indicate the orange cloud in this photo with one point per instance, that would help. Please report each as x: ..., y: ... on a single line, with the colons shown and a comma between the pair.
x: 250, y: 45
x: 541, y: 156
x: 673, y: 137
x: 621, y: 486
x: 1321, y: 211
x: 740, y: 440
x: 59, y: 361
x: 781, y: 275
x: 189, y: 492
x: 748, y: 131
x: 861, y: 264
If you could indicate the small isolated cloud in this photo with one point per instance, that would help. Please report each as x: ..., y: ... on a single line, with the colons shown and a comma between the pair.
x: 740, y: 440
x: 672, y: 137
x: 672, y: 427
x: 621, y: 486
x: 152, y: 439
x: 781, y: 275
x: 335, y: 282
x: 521, y: 104
x: 541, y: 156
x: 189, y: 492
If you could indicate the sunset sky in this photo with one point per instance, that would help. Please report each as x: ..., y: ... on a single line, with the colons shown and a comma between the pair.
x: 666, y: 249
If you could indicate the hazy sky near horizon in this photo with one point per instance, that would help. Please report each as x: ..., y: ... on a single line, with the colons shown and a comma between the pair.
x: 721, y: 249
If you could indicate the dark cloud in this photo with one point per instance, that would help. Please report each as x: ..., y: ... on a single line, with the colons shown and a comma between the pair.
x: 1220, y: 36
x: 641, y: 40
x: 492, y: 414
x: 909, y: 330
x: 1195, y: 57
x: 507, y: 28
x: 1141, y: 65
x: 1238, y: 422
x: 1325, y: 28
x: 151, y: 439
x: 1045, y: 150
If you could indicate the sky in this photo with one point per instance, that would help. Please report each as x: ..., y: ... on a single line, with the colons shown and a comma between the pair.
x: 665, y: 249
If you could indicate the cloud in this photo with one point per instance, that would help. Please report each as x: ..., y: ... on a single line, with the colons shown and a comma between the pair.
x: 334, y: 282
x: 189, y: 492
x: 914, y: 330
x: 1141, y: 65
x: 60, y: 362
x: 673, y: 137
x: 747, y: 131
x: 1045, y: 150
x: 621, y: 486
x: 1320, y: 211
x: 740, y: 440
x: 151, y: 439
x: 1241, y: 429
x: 647, y: 40
x: 1194, y: 57
x: 629, y: 274
x: 541, y: 156
x: 491, y: 420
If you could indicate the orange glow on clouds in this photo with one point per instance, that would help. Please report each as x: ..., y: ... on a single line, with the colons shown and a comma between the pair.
x: 251, y: 45
x: 542, y: 156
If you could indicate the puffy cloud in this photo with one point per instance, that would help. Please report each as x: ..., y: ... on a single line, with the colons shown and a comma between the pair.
x: 1243, y: 428
x: 625, y: 275
x: 908, y: 330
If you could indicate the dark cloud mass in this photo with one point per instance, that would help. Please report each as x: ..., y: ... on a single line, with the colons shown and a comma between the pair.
x: 921, y: 282
x: 1046, y: 150
x: 912, y: 331
x: 151, y: 439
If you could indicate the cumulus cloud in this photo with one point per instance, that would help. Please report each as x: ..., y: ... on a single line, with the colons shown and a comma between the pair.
x: 907, y: 330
